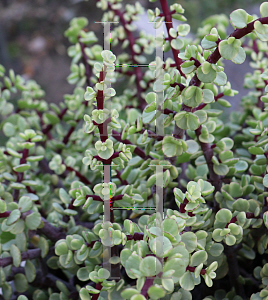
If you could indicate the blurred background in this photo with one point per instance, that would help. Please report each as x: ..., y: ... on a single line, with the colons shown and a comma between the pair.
x: 32, y: 41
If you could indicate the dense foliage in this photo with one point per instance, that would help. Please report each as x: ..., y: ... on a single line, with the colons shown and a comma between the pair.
x: 146, y: 194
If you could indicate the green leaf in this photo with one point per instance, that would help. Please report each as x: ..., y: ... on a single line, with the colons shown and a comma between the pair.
x: 61, y: 248
x: 129, y: 292
x: 208, y: 96
x: 52, y: 262
x: 9, y: 129
x: 152, y: 98
x: 208, y: 77
x: 239, y: 18
x: 193, y: 146
x: 220, y: 169
x: 224, y: 215
x: 264, y: 9
x: 20, y: 283
x: 168, y: 284
x: 224, y: 103
x: 241, y: 205
x: 190, y: 241
x: 230, y: 240
x: 240, y: 57
x: 22, y: 297
x: 192, y: 122
x: 177, y: 43
x: 235, y: 229
x: 261, y: 30
x: 202, y: 115
x: 192, y: 96
x: 14, y: 153
x: 150, y: 266
x: 33, y: 220
x: 156, y: 292
x: 83, y: 274
x: 172, y: 146
x: 13, y: 217
x: 229, y: 48
x: 51, y: 118
x: 132, y: 263
x: 216, y: 249
x: 160, y: 246
x: 25, y: 204
x: 35, y: 158
x: 178, y: 265
x: 265, y: 219
x: 241, y: 166
x: 30, y: 271
x: 44, y: 246
x: 198, y: 258
x: 22, y: 168
x: 3, y: 206
x: 16, y: 255
x: 138, y: 297
x: 208, y: 280
x: 5, y: 237
x: 64, y: 196
x: 84, y: 295
x: 265, y: 180
x: 7, y: 291
x: 171, y: 226
x: 103, y: 273
x: 221, y: 78
x: 187, y: 281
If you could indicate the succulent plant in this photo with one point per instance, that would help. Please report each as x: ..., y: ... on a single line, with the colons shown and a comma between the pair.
x: 145, y: 193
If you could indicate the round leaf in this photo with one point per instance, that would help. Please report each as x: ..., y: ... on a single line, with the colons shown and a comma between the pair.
x: 224, y: 215
x: 150, y: 266
x: 33, y: 220
x: 239, y: 18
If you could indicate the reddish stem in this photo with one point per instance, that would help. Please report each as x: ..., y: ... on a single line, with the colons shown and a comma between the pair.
x: 109, y: 160
x: 98, y: 287
x: 192, y: 269
x: 147, y: 284
x: 137, y: 236
x: 124, y: 182
x: 137, y: 150
x: 5, y: 214
x: 79, y: 175
x: 248, y: 215
x: 98, y: 198
x: 169, y: 25
x: 66, y: 138
x: 202, y: 105
x: 131, y: 39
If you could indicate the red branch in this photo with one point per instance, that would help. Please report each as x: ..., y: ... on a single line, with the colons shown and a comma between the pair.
x: 147, y: 284
x: 169, y: 25
x: 131, y: 39
x: 137, y: 236
x: 5, y: 214
x: 109, y: 160
x: 98, y: 198
x: 202, y: 105
x: 78, y: 174
x: 192, y: 269
x: 182, y: 207
x: 248, y: 215
x: 137, y: 150
x: 98, y: 287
